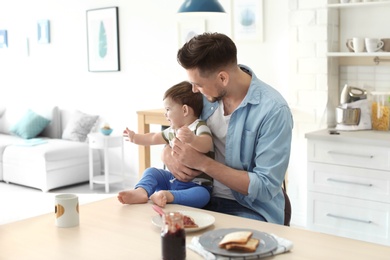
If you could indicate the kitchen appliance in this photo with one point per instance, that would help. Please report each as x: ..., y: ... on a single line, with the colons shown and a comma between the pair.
x: 350, y: 94
x: 354, y: 112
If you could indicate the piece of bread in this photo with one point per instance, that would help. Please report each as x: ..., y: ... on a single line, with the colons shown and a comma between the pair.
x: 238, y: 237
x: 189, y: 222
x: 249, y: 246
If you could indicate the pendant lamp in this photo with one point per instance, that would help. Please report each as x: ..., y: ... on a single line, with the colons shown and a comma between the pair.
x: 201, y: 6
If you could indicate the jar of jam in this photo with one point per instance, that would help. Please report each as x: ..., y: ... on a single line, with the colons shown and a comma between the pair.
x: 173, y: 237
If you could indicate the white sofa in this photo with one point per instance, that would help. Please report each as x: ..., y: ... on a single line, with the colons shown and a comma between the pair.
x: 47, y: 161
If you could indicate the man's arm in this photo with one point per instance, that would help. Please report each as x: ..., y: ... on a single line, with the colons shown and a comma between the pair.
x: 179, y: 170
x: 186, y: 156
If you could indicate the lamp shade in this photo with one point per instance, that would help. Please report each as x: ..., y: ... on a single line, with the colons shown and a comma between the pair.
x: 201, y: 6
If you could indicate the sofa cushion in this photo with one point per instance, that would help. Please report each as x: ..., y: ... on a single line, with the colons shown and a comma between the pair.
x: 2, y: 110
x: 52, y: 150
x: 6, y: 140
x: 53, y: 130
x: 13, y: 113
x: 30, y: 125
x: 79, y: 126
x: 53, y: 164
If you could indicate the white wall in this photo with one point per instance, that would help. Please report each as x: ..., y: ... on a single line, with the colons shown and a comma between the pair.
x: 58, y: 73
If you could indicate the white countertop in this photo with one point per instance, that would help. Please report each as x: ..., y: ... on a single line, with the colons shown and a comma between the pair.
x: 372, y: 137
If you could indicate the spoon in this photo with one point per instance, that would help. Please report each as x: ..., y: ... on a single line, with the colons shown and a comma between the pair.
x: 158, y: 210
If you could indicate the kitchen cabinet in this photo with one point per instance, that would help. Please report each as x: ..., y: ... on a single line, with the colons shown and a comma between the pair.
x: 348, y: 184
x: 362, y: 19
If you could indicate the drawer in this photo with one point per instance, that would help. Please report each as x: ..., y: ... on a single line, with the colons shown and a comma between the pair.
x: 356, y: 155
x: 352, y: 218
x: 347, y: 181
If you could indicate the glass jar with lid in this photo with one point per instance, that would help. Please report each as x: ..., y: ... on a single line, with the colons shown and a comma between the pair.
x: 173, y: 237
x: 380, y: 111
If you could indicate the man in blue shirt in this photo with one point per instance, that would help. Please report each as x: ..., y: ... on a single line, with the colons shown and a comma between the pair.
x: 251, y: 125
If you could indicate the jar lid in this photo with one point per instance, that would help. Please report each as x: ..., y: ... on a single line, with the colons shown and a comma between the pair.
x: 380, y: 92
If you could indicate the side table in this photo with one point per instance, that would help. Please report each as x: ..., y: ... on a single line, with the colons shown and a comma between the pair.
x: 100, y: 141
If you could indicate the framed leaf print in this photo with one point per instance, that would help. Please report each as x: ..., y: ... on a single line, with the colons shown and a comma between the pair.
x: 3, y: 39
x: 103, y: 39
x: 248, y: 20
x: 43, y: 31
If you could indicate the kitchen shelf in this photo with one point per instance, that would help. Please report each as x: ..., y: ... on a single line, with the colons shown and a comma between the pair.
x: 357, y: 5
x: 363, y: 58
x: 360, y: 54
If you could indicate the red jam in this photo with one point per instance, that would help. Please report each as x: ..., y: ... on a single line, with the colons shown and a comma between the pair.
x: 173, y: 237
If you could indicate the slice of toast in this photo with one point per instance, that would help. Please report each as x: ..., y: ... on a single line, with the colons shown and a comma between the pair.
x: 238, y: 237
x: 249, y: 246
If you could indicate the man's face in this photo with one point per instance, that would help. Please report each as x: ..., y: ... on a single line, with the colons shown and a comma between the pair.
x: 210, y: 87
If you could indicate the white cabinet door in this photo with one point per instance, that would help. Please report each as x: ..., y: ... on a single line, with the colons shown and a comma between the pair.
x: 352, y: 218
x: 356, y: 155
x: 347, y: 181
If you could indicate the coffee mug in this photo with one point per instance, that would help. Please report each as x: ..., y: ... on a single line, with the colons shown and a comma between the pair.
x: 386, y: 44
x: 373, y: 44
x: 66, y: 210
x: 356, y: 44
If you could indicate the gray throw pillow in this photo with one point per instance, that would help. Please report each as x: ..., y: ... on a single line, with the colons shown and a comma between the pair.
x: 79, y: 126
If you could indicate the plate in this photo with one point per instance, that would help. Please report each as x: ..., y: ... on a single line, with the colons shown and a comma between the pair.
x: 203, y: 220
x: 210, y: 241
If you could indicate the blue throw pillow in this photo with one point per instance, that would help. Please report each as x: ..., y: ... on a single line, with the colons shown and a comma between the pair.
x: 30, y: 125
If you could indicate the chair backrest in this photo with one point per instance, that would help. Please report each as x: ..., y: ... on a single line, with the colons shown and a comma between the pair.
x: 287, y: 209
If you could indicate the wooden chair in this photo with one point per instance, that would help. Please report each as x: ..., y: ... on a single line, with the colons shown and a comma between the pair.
x: 287, y: 205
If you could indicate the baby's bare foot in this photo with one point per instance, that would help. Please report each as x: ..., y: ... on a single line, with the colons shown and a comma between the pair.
x: 136, y: 196
x: 159, y: 198
x: 162, y: 197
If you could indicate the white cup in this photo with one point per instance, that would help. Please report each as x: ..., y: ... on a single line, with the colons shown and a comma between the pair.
x: 356, y: 44
x: 373, y: 44
x: 356, y: 1
x: 344, y: 1
x: 66, y: 210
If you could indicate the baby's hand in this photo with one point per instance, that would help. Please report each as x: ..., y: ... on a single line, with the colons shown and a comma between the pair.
x: 128, y: 135
x: 185, y: 135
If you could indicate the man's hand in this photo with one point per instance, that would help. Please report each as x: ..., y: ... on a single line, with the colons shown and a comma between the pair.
x: 185, y: 135
x: 178, y: 169
x: 188, y: 156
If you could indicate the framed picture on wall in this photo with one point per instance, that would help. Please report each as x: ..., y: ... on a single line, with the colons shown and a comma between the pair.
x: 248, y: 20
x: 3, y: 39
x: 189, y: 28
x: 43, y: 31
x: 103, y: 39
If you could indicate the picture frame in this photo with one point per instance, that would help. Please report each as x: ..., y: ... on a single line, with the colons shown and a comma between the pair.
x: 189, y: 28
x: 3, y: 39
x: 43, y: 31
x: 248, y: 20
x: 103, y: 39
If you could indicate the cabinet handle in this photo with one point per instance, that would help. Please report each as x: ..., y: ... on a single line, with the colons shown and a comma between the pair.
x: 350, y: 182
x: 347, y: 218
x: 349, y: 154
